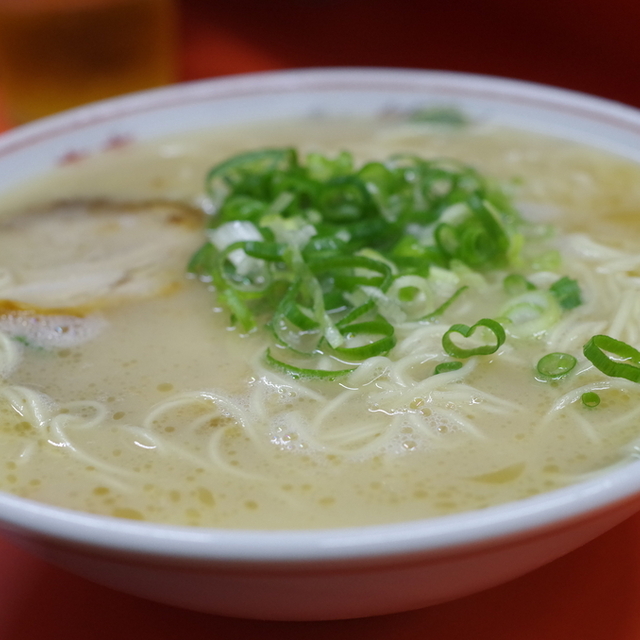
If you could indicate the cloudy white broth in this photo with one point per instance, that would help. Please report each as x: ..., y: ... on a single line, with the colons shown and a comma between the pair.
x: 136, y: 389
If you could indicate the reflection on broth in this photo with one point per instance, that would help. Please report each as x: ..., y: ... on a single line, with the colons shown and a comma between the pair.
x: 126, y: 393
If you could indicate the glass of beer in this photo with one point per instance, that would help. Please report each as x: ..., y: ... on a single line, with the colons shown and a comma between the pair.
x: 56, y: 54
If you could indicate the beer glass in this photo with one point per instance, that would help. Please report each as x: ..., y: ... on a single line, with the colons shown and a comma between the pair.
x: 56, y: 54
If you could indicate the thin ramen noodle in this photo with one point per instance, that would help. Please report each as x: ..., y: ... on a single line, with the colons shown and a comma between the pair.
x: 126, y: 392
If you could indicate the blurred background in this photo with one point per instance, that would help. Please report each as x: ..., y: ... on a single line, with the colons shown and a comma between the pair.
x: 588, y: 45
x: 116, y: 46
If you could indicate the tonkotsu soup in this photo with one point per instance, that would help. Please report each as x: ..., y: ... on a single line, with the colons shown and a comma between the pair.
x: 401, y: 320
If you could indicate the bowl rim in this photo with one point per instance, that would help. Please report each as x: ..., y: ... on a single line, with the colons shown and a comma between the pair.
x: 575, y: 103
x: 439, y: 535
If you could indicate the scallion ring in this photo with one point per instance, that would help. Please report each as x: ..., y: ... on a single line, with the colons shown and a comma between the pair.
x: 556, y: 365
x: 445, y: 367
x: 514, y: 284
x: 378, y: 347
x: 299, y: 372
x: 590, y: 399
x: 445, y: 305
x: 629, y: 368
x: 464, y: 330
x: 567, y: 291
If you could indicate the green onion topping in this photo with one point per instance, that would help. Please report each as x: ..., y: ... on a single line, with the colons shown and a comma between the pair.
x: 590, y: 399
x: 556, y: 365
x: 300, y: 372
x: 624, y: 361
x: 446, y: 304
x: 495, y: 329
x: 333, y: 257
x: 444, y: 116
x: 445, y: 367
x: 514, y: 284
x: 567, y: 291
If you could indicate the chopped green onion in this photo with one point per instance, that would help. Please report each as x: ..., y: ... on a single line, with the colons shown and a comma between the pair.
x: 291, y: 309
x: 464, y: 330
x: 271, y: 251
x: 531, y: 314
x: 378, y: 347
x: 332, y: 257
x: 345, y: 199
x: 567, y: 291
x: 299, y: 372
x: 627, y: 364
x: 321, y: 168
x: 494, y: 226
x: 445, y: 116
x: 514, y: 285
x: 590, y: 399
x: 556, y: 365
x: 445, y: 367
x: 240, y: 207
x: 549, y: 260
x: 240, y: 312
x: 203, y: 260
x: 347, y: 271
x: 242, y: 272
x: 248, y: 174
x: 445, y: 305
x: 447, y: 239
x: 356, y: 313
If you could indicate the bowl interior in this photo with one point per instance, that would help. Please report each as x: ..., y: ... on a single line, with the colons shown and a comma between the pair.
x: 34, y: 149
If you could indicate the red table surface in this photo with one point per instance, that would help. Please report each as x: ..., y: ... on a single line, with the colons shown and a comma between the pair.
x: 591, y: 46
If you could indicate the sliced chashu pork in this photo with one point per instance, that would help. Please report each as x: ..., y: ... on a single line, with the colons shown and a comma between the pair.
x: 95, y: 255
x: 59, y: 265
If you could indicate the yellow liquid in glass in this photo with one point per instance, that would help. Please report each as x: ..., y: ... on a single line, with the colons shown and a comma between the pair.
x: 55, y: 55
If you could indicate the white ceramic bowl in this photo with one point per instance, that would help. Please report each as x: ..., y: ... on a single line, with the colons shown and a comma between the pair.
x: 298, y: 575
